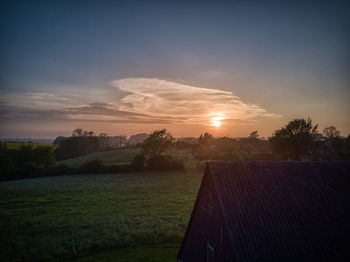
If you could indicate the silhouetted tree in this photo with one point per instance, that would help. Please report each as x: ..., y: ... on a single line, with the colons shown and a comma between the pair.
x: 44, y: 155
x: 77, y: 132
x: 76, y: 146
x: 206, y: 139
x: 331, y: 132
x: 7, y: 164
x: 254, y: 135
x: 158, y: 143
x: 295, y: 139
x: 155, y: 153
x: 59, y: 139
x: 102, y: 139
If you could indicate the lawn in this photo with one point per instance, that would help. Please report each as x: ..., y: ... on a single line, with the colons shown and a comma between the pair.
x: 119, y: 156
x: 105, y: 217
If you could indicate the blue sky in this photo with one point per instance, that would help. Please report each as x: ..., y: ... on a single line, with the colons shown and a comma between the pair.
x: 94, y: 64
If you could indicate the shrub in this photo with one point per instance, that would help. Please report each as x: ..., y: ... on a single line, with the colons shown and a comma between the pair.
x: 7, y: 166
x: 92, y: 166
x: 44, y: 155
x: 165, y: 163
x: 30, y: 169
x: 61, y: 169
x: 139, y: 162
x: 76, y: 146
x: 116, y: 169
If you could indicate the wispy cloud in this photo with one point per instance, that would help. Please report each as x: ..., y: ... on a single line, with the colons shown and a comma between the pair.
x: 136, y: 100
x: 162, y: 98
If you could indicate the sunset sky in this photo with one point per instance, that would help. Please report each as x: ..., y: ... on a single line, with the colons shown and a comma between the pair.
x: 124, y: 68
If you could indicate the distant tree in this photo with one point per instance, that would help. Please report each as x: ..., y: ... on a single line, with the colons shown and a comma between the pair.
x: 44, y: 155
x: 24, y: 154
x: 138, y: 162
x: 158, y: 143
x: 102, y: 139
x: 91, y: 133
x: 331, y: 132
x: 7, y: 165
x: 254, y: 135
x: 206, y: 139
x: 3, y: 147
x: 76, y: 146
x: 77, y: 132
x: 58, y: 139
x: 203, y: 152
x: 155, y: 153
x: 295, y: 139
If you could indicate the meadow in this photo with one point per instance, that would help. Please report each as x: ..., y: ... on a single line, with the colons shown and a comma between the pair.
x: 113, y: 157
x: 104, y: 217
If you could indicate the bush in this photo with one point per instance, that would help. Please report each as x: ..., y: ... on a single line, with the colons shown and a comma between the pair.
x: 44, y: 155
x: 97, y: 166
x: 139, y: 162
x: 165, y: 163
x: 30, y: 169
x: 76, y: 146
x: 116, y: 169
x: 61, y: 169
x: 7, y: 166
x: 92, y: 166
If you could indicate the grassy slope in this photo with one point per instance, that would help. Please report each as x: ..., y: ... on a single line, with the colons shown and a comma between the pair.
x: 112, y: 214
x: 120, y: 156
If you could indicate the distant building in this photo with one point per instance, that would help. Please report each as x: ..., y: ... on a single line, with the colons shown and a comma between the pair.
x: 270, y: 211
x: 189, y: 140
x: 322, y: 151
x: 137, y: 139
x: 113, y: 142
x: 325, y: 152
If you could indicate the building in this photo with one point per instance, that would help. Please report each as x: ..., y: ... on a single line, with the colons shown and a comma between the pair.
x: 112, y: 142
x: 325, y: 152
x: 270, y: 211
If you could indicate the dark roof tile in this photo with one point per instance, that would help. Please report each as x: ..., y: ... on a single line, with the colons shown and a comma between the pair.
x: 285, y: 211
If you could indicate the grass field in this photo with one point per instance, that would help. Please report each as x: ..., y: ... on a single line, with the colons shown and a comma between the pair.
x: 107, y: 217
x: 119, y: 156
x: 17, y: 145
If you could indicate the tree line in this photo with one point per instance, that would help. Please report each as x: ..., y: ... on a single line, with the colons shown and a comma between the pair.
x: 297, y: 140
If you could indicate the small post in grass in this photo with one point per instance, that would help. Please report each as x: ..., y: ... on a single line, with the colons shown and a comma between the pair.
x: 155, y: 235
x: 73, y: 249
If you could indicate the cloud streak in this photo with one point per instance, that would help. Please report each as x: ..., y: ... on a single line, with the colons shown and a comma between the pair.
x: 162, y: 98
x: 129, y: 101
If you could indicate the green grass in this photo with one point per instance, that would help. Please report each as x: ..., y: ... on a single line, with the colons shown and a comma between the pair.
x: 120, y: 156
x: 108, y: 217
x: 155, y: 253
x: 17, y: 145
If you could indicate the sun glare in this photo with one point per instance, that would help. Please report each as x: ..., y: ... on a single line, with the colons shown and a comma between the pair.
x: 216, y: 121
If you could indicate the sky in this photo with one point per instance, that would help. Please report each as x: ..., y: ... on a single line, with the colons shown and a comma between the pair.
x: 127, y: 67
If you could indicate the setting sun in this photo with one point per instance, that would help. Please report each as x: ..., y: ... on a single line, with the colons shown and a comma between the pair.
x: 216, y: 121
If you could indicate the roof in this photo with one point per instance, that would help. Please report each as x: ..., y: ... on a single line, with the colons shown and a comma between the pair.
x: 284, y: 211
